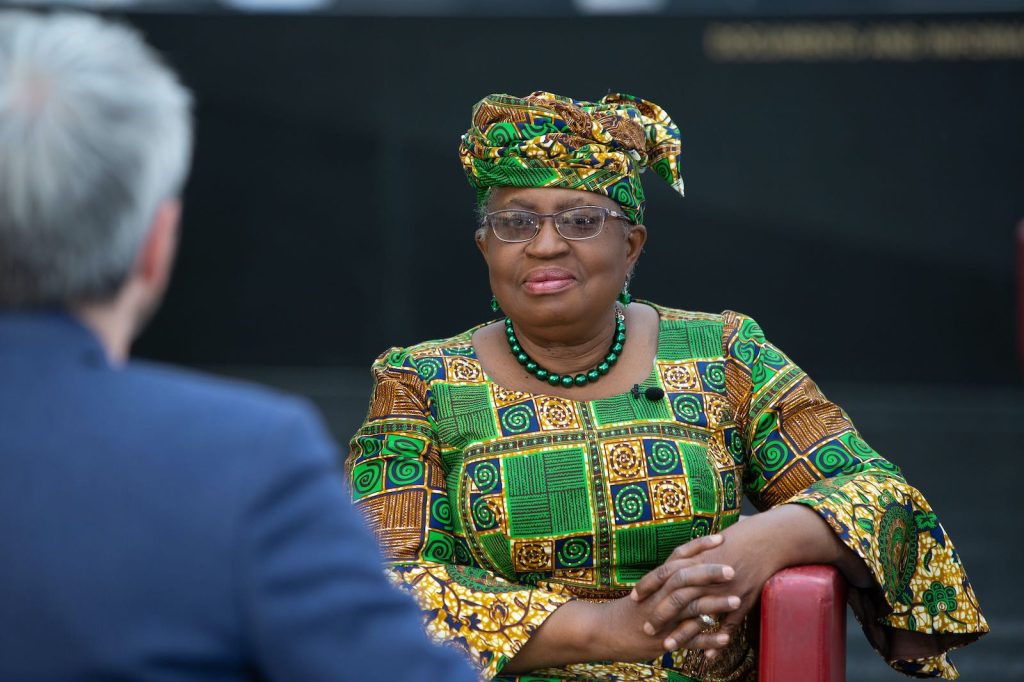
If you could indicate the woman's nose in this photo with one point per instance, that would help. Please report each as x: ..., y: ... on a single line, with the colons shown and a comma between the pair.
x: 547, y: 242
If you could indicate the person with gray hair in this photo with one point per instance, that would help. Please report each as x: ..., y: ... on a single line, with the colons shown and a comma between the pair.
x: 154, y: 524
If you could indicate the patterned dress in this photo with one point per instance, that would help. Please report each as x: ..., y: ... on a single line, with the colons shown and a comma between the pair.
x: 495, y: 507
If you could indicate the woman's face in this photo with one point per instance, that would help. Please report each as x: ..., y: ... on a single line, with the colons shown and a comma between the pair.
x: 551, y: 280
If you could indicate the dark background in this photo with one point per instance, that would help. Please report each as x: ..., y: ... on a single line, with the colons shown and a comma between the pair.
x: 863, y: 209
x: 863, y: 212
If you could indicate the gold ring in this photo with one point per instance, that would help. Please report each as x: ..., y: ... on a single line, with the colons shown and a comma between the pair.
x: 707, y: 621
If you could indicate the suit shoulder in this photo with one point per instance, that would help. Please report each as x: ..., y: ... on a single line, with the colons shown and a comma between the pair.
x: 208, y: 397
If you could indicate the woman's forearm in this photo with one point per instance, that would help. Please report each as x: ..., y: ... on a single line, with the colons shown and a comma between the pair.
x: 793, y: 535
x: 565, y: 637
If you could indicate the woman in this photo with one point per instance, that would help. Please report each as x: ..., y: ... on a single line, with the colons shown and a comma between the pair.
x: 560, y: 488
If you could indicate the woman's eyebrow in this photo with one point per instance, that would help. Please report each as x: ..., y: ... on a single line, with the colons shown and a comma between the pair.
x: 520, y: 203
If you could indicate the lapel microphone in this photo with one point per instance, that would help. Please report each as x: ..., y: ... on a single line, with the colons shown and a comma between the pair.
x: 652, y: 393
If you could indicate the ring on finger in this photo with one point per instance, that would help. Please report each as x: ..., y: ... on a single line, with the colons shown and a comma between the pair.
x: 709, y: 622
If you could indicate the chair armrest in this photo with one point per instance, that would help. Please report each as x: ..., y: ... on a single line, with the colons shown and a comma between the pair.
x: 803, y: 626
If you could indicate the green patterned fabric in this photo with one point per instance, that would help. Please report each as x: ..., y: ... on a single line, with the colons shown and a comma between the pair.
x: 496, y: 506
x: 546, y: 140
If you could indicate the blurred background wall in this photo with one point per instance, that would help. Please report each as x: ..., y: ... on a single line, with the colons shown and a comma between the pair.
x: 854, y: 175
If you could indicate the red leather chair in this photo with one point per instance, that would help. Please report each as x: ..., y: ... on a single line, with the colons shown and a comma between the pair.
x: 803, y: 626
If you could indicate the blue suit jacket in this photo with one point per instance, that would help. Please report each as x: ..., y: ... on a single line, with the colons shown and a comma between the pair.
x: 158, y: 525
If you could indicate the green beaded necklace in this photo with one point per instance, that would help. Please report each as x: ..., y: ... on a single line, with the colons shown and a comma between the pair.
x: 568, y: 380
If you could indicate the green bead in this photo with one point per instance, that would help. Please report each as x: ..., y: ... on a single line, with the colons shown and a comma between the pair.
x: 532, y: 367
x: 593, y: 375
x: 567, y: 381
x: 616, y: 348
x: 516, y: 349
x: 611, y: 358
x: 603, y: 368
x: 580, y: 380
x: 541, y: 373
x: 523, y: 358
x: 620, y: 337
x: 554, y: 379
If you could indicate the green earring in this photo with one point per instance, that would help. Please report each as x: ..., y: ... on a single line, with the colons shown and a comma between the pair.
x: 494, y: 304
x: 624, y: 296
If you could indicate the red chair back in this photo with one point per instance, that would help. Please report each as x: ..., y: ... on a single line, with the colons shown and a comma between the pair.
x: 803, y: 626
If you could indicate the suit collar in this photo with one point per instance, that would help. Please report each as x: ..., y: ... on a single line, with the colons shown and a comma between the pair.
x: 51, y: 330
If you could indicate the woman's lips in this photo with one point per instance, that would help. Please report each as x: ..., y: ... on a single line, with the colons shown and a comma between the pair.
x: 547, y: 281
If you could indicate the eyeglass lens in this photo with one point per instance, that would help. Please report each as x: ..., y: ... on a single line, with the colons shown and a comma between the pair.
x: 520, y: 226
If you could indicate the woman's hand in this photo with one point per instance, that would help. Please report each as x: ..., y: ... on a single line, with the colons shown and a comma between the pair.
x: 693, y: 586
x: 675, y: 601
x: 579, y: 631
x: 756, y: 548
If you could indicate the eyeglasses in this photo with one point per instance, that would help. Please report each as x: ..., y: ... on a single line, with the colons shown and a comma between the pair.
x: 579, y: 222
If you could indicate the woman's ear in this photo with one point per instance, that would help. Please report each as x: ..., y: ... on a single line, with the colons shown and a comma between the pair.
x: 635, y: 240
x: 481, y: 242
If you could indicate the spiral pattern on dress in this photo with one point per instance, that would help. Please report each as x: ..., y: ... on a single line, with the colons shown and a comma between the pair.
x: 485, y: 476
x: 624, y: 460
x: 745, y: 351
x: 687, y: 408
x: 483, y: 515
x: 630, y: 502
x: 758, y: 374
x: 404, y: 446
x: 556, y: 413
x: 729, y: 493
x: 751, y: 330
x: 734, y: 443
x: 440, y: 548
x: 679, y: 378
x: 441, y: 511
x: 765, y: 425
x: 773, y: 454
x: 464, y: 369
x: 714, y: 376
x: 405, y: 471
x: 366, y: 476
x: 859, y: 446
x: 832, y: 457
x: 670, y: 497
x: 533, y: 556
x: 574, y: 552
x: 771, y: 356
x: 429, y: 368
x: 516, y: 419
x: 663, y: 457
x: 369, y: 445
x: 462, y: 555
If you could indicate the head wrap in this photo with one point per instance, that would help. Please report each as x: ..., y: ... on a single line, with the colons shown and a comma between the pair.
x: 546, y: 140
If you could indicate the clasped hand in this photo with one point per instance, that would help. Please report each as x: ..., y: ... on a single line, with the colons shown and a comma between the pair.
x: 662, y: 615
x: 675, y: 597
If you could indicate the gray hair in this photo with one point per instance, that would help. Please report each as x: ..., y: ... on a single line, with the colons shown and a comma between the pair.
x: 95, y: 134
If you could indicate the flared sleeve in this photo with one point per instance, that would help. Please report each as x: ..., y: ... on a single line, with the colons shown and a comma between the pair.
x: 800, y: 448
x: 405, y: 490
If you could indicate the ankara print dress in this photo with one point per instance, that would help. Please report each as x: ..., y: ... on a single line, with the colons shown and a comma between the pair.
x: 495, y: 507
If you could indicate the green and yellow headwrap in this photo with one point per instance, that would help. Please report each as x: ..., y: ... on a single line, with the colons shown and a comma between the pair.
x: 545, y: 140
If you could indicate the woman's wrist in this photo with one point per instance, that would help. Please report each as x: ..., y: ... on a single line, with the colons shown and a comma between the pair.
x: 569, y: 635
x: 801, y: 536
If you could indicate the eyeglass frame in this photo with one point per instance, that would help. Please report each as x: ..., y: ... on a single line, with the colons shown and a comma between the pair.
x: 607, y: 212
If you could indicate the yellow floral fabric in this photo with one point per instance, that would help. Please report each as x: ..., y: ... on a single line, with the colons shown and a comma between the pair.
x: 494, y: 507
